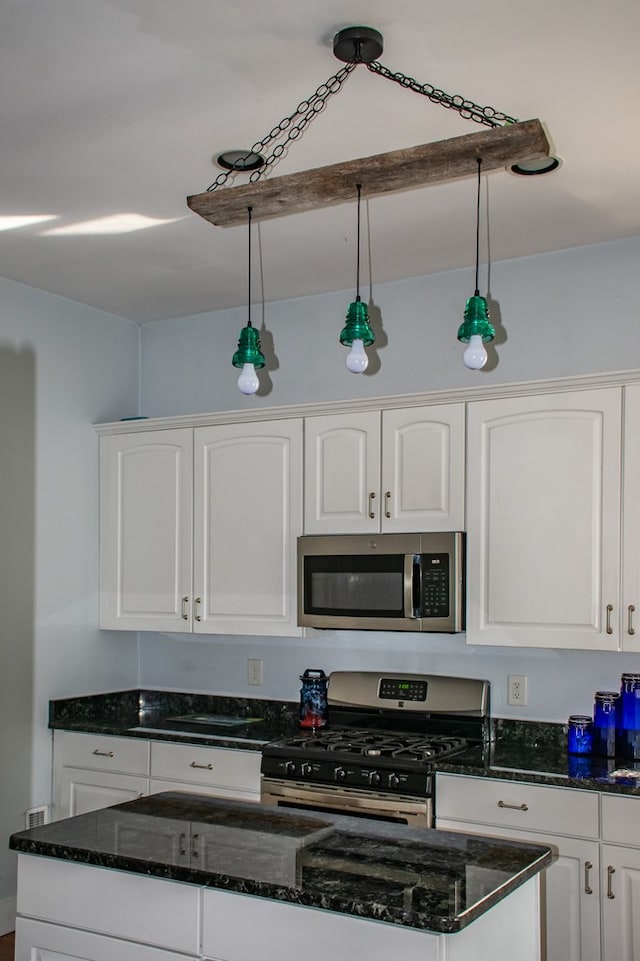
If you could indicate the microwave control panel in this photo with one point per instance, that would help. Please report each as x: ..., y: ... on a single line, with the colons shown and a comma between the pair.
x: 435, y: 585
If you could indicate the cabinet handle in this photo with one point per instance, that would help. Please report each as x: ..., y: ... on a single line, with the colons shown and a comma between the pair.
x: 372, y: 497
x: 204, y: 767
x: 630, y: 628
x: 610, y: 872
x: 103, y: 753
x: 183, y: 846
x: 194, y: 852
x: 387, y: 499
x: 513, y: 807
x: 196, y: 603
x: 185, y: 616
x: 587, y: 887
x: 609, y: 609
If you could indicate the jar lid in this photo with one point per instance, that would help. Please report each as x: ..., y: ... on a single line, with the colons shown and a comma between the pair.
x: 630, y: 677
x: 579, y: 719
x: 607, y: 695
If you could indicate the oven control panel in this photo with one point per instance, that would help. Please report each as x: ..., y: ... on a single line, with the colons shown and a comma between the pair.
x: 402, y: 689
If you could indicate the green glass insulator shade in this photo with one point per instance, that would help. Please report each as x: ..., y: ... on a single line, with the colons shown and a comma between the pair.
x: 248, y: 351
x: 357, y: 326
x: 476, y: 321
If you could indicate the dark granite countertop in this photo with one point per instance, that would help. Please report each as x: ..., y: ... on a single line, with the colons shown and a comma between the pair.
x: 521, y: 750
x: 430, y: 880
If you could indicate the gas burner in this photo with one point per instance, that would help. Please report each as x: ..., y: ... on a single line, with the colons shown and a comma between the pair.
x: 410, y: 748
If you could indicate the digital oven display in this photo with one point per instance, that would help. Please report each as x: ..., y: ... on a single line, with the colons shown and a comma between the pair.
x: 397, y: 689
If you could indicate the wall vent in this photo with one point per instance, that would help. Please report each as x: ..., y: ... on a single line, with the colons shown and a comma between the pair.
x: 34, y: 817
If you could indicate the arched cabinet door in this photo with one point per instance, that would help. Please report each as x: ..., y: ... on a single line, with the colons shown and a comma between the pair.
x: 543, y: 520
x: 247, y: 518
x: 392, y: 471
x: 146, y: 486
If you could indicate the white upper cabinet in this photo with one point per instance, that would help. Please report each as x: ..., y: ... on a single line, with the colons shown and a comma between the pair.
x: 391, y: 471
x: 199, y: 528
x: 630, y: 612
x: 146, y: 530
x: 248, y: 510
x: 543, y: 511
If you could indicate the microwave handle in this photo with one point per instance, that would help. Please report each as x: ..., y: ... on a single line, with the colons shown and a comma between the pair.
x: 412, y: 572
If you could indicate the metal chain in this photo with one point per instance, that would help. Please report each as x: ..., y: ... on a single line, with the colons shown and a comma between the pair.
x: 466, y: 108
x: 291, y: 127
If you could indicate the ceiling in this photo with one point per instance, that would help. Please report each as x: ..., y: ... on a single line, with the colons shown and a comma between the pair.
x: 115, y: 110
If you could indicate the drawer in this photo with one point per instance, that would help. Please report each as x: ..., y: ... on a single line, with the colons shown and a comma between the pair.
x: 621, y: 820
x: 130, y: 906
x: 514, y: 804
x: 98, y: 752
x: 216, y: 767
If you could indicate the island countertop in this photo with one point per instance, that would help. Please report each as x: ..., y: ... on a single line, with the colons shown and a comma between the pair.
x: 423, y: 879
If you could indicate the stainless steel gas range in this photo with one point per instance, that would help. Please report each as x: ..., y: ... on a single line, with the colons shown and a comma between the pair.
x: 376, y: 756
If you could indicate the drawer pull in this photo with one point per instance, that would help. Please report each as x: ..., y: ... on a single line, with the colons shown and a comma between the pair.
x: 372, y: 497
x: 610, y: 872
x: 609, y: 610
x: 196, y: 607
x: 203, y: 767
x: 387, y: 501
x: 631, y: 629
x: 185, y: 615
x: 103, y: 753
x: 513, y: 807
x: 587, y: 887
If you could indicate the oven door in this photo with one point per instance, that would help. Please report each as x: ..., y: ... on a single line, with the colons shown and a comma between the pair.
x: 400, y: 809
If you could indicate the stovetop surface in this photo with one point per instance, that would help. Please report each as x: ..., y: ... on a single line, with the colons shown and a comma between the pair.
x: 368, y: 745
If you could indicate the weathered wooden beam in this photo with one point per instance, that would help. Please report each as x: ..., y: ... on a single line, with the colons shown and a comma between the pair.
x: 385, y: 173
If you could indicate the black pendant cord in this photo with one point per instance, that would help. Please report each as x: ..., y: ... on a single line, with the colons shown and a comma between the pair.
x: 477, y: 292
x: 249, y: 324
x: 359, y: 188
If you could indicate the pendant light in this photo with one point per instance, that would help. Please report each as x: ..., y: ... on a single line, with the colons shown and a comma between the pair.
x: 357, y: 333
x: 476, y: 329
x: 248, y: 356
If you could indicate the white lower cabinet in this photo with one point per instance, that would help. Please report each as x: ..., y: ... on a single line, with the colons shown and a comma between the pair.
x: 620, y: 873
x: 92, y: 771
x: 565, y: 820
x: 205, y: 770
x: 41, y: 941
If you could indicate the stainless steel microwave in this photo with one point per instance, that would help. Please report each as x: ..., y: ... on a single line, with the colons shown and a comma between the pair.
x: 383, y: 582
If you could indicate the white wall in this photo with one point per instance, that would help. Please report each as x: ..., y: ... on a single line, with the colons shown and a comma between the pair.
x: 63, y: 367
x: 562, y: 314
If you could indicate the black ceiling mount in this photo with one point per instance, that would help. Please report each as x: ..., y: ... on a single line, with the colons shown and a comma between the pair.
x: 357, y: 45
x: 240, y: 160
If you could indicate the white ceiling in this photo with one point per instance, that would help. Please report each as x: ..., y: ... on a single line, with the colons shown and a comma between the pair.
x: 119, y: 107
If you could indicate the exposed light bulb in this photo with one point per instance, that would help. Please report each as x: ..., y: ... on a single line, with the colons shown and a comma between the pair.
x: 475, y: 355
x: 248, y: 380
x: 357, y: 360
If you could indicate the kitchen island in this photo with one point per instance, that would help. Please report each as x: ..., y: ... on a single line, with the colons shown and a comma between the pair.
x: 176, y: 874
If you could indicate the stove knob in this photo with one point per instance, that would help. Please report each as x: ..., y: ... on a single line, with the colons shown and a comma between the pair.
x: 339, y: 774
x: 374, y: 778
x: 305, y: 769
x: 289, y: 767
x: 393, y: 780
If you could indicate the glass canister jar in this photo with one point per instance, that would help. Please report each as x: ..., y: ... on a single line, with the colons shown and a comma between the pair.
x: 313, y: 698
x: 580, y: 734
x: 605, y: 720
x: 628, y: 740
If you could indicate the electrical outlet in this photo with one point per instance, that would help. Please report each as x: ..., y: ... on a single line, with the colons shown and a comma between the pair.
x: 254, y: 671
x: 517, y: 690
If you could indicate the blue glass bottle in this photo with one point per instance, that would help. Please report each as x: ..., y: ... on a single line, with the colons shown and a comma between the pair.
x: 628, y: 741
x: 580, y: 734
x: 605, y: 719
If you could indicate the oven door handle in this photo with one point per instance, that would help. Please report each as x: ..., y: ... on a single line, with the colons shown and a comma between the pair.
x: 412, y: 582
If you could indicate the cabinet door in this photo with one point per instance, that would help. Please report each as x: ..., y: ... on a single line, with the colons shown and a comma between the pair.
x: 145, y: 530
x: 78, y: 792
x: 631, y: 521
x: 620, y: 903
x: 423, y: 469
x: 543, y: 520
x: 41, y: 941
x: 342, y: 474
x: 248, y: 515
